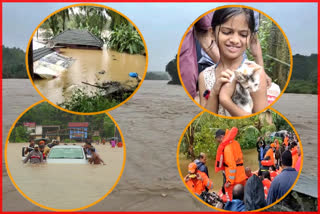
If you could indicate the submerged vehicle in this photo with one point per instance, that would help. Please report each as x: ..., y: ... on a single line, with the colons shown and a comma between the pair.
x: 67, y: 154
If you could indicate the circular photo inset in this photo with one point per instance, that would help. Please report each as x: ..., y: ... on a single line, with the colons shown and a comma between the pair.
x: 86, y: 58
x: 241, y: 164
x: 234, y: 61
x: 61, y: 161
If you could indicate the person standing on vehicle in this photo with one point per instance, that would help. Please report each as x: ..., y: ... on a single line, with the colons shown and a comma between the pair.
x: 34, y: 156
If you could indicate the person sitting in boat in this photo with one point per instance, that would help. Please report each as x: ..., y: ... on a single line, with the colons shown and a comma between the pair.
x: 35, y: 156
x: 196, y: 180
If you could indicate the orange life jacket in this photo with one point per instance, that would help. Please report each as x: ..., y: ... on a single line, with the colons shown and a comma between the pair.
x: 119, y: 144
x: 229, y: 136
x: 197, y: 186
x: 273, y: 174
x: 266, y: 186
x: 271, y: 154
x: 285, y: 141
x: 267, y: 163
x: 295, y: 156
x: 233, y: 162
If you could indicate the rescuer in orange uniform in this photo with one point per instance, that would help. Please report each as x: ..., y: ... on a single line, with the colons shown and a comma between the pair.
x: 234, y: 172
x: 270, y: 152
x: 196, y: 180
x: 294, y: 153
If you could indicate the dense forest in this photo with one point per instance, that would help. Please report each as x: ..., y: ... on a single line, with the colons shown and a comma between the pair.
x: 46, y: 114
x: 13, y: 62
x: 200, y: 136
x: 304, y: 76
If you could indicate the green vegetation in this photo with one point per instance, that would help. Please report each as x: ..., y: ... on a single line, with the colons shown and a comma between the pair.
x: 275, y: 51
x: 125, y: 38
x: 94, y: 19
x: 200, y: 136
x: 304, y: 75
x: 156, y: 75
x: 19, y: 134
x: 98, y: 20
x: 13, y: 62
x: 46, y: 114
x: 94, y: 102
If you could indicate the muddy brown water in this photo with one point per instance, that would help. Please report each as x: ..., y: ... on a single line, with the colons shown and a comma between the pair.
x: 65, y: 186
x: 86, y: 68
x: 250, y: 159
x: 152, y: 122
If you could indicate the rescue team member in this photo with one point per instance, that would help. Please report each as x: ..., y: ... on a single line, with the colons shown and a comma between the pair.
x: 266, y: 181
x: 284, y: 181
x: 35, y: 156
x: 294, y: 153
x: 229, y: 159
x: 196, y: 180
x: 270, y: 153
x: 286, y: 141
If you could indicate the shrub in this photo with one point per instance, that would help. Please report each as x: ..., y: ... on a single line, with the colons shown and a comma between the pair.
x: 125, y: 38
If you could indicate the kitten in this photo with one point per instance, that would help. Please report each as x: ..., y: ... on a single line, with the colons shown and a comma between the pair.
x: 247, y: 81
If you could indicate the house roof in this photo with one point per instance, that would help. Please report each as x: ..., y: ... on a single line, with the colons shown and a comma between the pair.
x: 41, y: 52
x: 78, y: 124
x: 77, y: 37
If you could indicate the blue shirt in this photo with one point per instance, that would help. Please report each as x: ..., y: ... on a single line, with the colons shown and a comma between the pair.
x: 235, y: 205
x: 281, y: 184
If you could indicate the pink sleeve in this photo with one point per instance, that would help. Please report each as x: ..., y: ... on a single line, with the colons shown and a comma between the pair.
x: 188, y: 63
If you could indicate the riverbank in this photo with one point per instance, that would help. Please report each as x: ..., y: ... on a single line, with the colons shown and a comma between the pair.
x: 152, y: 123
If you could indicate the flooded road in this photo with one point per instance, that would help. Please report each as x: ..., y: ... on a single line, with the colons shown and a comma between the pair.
x: 250, y: 159
x: 92, y: 66
x: 65, y: 186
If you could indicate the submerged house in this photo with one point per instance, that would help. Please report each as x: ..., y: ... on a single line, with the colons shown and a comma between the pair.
x: 76, y: 38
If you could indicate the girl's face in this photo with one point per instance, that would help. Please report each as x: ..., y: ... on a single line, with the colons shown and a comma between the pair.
x: 233, y: 37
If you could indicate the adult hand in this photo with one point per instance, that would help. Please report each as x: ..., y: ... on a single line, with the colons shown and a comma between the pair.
x: 186, y: 178
x: 221, y: 79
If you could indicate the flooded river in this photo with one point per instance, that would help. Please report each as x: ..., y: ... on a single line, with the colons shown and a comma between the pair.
x: 65, y: 186
x: 91, y: 66
x: 250, y: 159
x: 152, y: 123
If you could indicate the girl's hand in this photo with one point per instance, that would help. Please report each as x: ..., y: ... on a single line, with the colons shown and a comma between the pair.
x: 227, y: 90
x: 221, y: 79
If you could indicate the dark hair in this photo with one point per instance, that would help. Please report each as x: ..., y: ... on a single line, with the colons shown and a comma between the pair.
x: 238, y: 192
x: 286, y: 158
x: 254, y: 194
x: 266, y: 174
x: 92, y: 149
x: 221, y: 16
x: 220, y: 132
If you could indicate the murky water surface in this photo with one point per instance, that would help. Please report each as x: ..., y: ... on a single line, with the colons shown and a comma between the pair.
x: 65, y: 186
x: 91, y: 66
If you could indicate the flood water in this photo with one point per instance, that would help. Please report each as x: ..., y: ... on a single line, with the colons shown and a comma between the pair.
x: 65, y: 186
x: 250, y: 159
x: 86, y: 68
